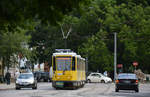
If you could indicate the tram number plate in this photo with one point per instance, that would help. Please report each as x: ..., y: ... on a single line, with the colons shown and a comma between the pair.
x: 59, y: 74
x: 60, y: 83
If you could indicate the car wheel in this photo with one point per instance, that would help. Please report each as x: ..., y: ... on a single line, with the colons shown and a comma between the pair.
x: 17, y: 88
x: 88, y: 81
x: 57, y: 88
x: 35, y: 86
x: 117, y: 90
x: 45, y: 80
x: 137, y: 90
x: 102, y: 81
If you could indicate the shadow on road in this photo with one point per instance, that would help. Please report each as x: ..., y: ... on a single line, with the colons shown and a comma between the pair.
x: 126, y: 91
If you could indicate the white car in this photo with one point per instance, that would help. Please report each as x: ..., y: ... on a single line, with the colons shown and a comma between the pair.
x: 26, y: 80
x: 98, y: 77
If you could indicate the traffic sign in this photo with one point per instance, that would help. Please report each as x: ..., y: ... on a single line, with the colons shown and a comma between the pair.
x: 135, y: 63
x: 120, y: 65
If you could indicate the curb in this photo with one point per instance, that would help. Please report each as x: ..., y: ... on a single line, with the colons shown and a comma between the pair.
x: 4, y: 86
x: 7, y: 89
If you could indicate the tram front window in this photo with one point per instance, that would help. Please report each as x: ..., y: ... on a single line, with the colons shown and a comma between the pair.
x: 63, y: 63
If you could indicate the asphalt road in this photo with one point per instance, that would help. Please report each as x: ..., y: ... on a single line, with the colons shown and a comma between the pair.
x: 89, y: 90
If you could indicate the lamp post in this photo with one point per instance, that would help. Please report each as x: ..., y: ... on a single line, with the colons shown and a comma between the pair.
x: 115, y: 55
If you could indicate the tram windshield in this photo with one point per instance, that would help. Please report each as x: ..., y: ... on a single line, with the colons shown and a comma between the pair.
x: 63, y: 63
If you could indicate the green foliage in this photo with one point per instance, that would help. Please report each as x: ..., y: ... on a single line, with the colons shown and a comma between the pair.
x: 99, y: 56
x: 92, y: 33
x: 130, y: 19
x: 16, y: 11
x: 24, y: 13
x: 12, y: 43
x: 92, y: 26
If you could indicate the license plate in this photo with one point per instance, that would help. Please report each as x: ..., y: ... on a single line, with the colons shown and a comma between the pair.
x: 59, y: 83
x: 59, y: 74
x: 127, y: 82
x: 24, y: 83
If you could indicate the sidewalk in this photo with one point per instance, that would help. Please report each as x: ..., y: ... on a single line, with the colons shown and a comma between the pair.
x: 4, y: 86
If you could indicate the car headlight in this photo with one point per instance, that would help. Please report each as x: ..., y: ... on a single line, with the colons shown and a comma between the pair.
x: 111, y: 80
x: 17, y: 82
x: 31, y: 81
x: 107, y: 79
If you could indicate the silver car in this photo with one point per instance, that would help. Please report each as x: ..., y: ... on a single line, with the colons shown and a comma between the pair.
x: 26, y: 80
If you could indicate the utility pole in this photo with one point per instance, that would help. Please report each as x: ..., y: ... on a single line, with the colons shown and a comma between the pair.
x: 115, y: 55
x: 65, y: 43
x: 86, y: 64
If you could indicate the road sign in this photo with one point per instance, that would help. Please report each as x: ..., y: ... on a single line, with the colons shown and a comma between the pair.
x: 120, y: 65
x: 135, y: 63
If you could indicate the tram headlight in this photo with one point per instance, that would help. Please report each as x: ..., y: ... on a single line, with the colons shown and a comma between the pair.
x: 58, y: 77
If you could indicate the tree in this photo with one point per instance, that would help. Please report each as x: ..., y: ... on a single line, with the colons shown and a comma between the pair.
x: 21, y: 13
x: 92, y: 34
x: 96, y: 51
x: 15, y: 12
x: 12, y: 44
x: 130, y: 20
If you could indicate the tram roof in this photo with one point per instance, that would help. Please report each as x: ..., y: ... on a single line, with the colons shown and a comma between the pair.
x: 67, y: 53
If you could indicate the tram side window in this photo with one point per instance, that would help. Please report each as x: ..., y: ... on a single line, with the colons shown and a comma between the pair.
x: 73, y: 63
x: 82, y: 65
x: 54, y: 64
x: 78, y: 64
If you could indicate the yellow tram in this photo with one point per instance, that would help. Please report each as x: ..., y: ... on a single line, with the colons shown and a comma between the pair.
x: 68, y: 69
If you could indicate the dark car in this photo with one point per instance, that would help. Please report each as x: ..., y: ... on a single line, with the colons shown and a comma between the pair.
x: 127, y: 81
x: 37, y: 75
x: 45, y: 76
x: 42, y: 76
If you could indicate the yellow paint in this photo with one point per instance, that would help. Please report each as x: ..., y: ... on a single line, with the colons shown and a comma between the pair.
x: 72, y: 75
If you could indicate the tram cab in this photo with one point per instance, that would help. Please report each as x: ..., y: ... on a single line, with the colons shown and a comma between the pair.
x: 68, y: 69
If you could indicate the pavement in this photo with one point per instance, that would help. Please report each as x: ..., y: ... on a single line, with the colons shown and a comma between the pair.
x: 45, y: 89
x: 4, y: 86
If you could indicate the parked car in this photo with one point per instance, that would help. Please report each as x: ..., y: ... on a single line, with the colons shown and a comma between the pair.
x: 98, y: 77
x: 37, y: 75
x: 127, y: 81
x: 26, y: 80
x: 45, y: 76
x: 42, y: 76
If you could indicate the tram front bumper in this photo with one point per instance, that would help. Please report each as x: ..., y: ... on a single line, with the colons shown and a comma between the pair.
x: 62, y: 84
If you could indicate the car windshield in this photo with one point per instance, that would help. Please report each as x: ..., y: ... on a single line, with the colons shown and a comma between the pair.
x: 25, y: 76
x: 126, y: 76
x: 63, y: 63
